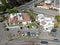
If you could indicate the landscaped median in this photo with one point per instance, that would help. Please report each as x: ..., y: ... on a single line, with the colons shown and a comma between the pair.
x: 14, y: 38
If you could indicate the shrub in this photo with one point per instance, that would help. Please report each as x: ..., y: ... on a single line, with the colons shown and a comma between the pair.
x: 57, y: 17
x: 14, y: 10
x: 35, y: 5
x: 56, y: 25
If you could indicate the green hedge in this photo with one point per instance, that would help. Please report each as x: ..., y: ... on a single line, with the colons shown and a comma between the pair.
x: 56, y: 25
x: 57, y: 17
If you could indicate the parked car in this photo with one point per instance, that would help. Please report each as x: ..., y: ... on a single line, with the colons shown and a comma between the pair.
x: 54, y: 32
x: 28, y: 33
x: 56, y: 40
x: 44, y: 42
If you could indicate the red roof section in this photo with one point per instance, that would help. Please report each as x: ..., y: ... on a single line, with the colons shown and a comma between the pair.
x: 25, y: 17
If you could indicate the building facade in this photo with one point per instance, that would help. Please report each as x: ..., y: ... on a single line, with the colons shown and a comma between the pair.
x: 46, y: 21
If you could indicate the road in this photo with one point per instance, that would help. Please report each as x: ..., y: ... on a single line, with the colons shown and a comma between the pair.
x: 3, y: 36
x: 37, y: 10
x: 27, y: 41
x: 45, y: 11
x: 28, y: 5
x: 58, y: 32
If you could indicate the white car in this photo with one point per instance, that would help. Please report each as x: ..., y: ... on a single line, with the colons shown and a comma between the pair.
x: 43, y: 7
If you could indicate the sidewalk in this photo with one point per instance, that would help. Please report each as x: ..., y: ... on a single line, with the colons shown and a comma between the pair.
x: 58, y: 32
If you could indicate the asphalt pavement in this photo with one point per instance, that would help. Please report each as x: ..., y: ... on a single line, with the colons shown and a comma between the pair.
x: 28, y: 5
x: 58, y: 32
x: 33, y: 40
x: 3, y: 34
x: 3, y: 41
x: 37, y: 10
x: 45, y: 11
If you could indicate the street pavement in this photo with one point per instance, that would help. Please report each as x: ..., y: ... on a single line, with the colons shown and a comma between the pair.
x: 58, y: 32
x: 44, y: 36
x: 45, y: 11
x: 37, y: 10
x: 3, y: 35
x: 33, y: 40
x: 28, y: 5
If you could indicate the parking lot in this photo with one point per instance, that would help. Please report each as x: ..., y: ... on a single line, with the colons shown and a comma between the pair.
x: 3, y: 35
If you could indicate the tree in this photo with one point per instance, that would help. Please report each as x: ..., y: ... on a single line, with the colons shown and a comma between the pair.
x: 13, y: 2
x: 14, y: 10
x: 20, y: 1
x: 35, y: 5
x: 2, y: 7
x: 3, y: 1
x: 8, y: 5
